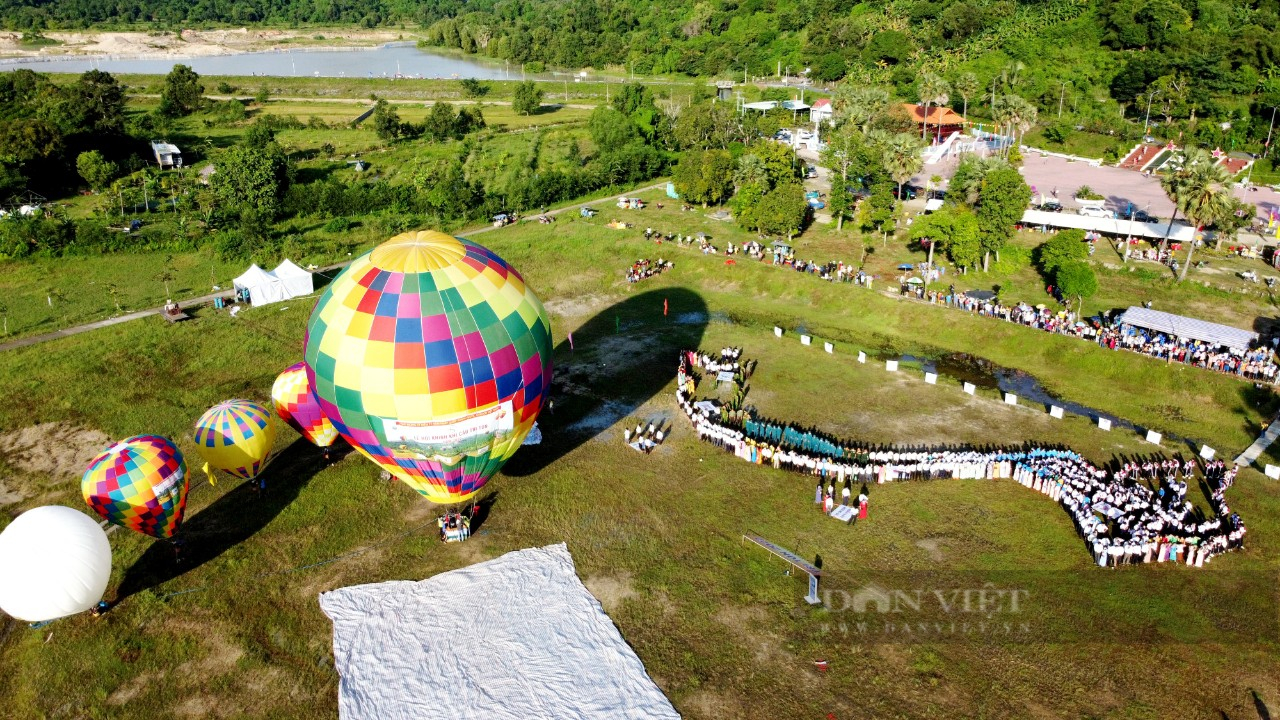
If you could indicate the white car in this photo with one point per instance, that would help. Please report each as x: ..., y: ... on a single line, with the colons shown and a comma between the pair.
x: 1095, y: 212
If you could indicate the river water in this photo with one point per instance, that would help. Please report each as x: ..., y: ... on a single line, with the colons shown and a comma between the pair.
x: 403, y: 59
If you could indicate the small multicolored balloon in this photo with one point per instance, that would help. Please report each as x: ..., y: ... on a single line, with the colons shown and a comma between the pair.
x: 297, y: 405
x: 237, y: 437
x: 432, y: 357
x: 139, y: 483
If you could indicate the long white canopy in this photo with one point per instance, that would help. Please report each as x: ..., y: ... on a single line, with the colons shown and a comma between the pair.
x: 1189, y: 328
x: 1181, y: 232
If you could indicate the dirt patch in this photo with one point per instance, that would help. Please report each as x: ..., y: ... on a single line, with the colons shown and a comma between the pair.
x: 610, y: 412
x: 131, y: 689
x: 611, y: 590
x: 707, y: 704
x: 570, y: 307
x: 56, y: 451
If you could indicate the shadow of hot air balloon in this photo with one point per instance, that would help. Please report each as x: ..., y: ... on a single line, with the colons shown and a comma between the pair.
x: 620, y: 359
x: 234, y: 517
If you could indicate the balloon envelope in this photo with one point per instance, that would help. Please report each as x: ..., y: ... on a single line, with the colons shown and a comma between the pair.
x: 236, y: 436
x: 54, y: 562
x: 431, y: 357
x: 139, y: 483
x: 297, y: 405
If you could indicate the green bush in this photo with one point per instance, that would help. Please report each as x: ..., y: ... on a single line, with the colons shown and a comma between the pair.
x: 337, y: 225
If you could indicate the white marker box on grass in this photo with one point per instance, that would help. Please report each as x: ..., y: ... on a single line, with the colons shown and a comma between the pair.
x: 1010, y: 399
x: 1153, y: 437
x: 1207, y: 452
x: 806, y: 340
x: 862, y: 357
x: 970, y: 388
x: 1104, y: 424
x: 931, y: 378
x: 891, y: 365
x: 1273, y: 472
x: 1055, y: 412
x: 828, y: 347
x: 777, y: 331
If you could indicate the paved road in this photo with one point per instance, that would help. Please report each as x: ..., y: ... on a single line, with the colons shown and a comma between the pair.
x: 1264, y: 441
x: 204, y: 299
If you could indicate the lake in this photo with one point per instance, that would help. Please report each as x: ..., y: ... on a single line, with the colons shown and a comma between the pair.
x: 388, y: 60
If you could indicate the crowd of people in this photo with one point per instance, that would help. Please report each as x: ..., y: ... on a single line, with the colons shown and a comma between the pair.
x: 1136, y: 513
x: 1258, y: 363
x: 645, y: 268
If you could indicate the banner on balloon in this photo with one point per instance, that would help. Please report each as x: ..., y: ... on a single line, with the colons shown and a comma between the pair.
x: 455, y: 436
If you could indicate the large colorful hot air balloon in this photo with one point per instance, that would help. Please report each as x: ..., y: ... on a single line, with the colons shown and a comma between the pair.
x: 139, y: 483
x: 297, y: 405
x: 236, y: 436
x: 431, y: 357
x: 54, y: 562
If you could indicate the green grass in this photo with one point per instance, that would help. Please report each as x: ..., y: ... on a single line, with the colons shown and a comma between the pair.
x: 718, y: 625
x: 1083, y: 144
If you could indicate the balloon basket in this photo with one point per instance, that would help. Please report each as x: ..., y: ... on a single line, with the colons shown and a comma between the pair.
x: 454, y: 527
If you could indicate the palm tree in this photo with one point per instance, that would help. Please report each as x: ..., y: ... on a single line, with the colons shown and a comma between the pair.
x: 1202, y: 196
x: 1016, y: 114
x: 902, y: 158
x: 967, y: 86
x: 860, y: 104
x: 933, y: 91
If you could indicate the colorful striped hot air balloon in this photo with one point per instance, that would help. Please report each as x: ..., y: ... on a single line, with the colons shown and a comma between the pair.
x: 236, y: 436
x: 297, y: 405
x: 139, y: 483
x: 431, y: 357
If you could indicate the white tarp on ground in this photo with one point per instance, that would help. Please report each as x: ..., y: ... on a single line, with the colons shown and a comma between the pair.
x: 263, y: 287
x: 1189, y: 328
x: 297, y: 282
x: 517, y: 637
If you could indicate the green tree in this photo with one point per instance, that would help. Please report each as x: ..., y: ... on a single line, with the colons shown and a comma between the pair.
x: 96, y: 169
x: 182, y: 93
x: 948, y: 229
x: 1076, y: 280
x: 1016, y: 116
x: 94, y: 104
x: 776, y: 161
x: 1202, y: 195
x: 1067, y: 246
x: 967, y: 86
x: 386, y: 120
x: 933, y: 90
x: 441, y: 122
x: 528, y: 98
x: 473, y: 88
x: 860, y: 104
x: 704, y: 177
x: 783, y: 209
x: 1002, y: 201
x: 902, y: 158
x: 251, y: 179
x: 610, y: 130
x: 746, y: 205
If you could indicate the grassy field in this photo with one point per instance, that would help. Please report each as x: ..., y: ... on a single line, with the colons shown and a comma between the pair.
x: 657, y: 537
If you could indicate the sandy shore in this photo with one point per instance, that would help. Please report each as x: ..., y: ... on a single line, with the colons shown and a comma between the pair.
x: 192, y: 43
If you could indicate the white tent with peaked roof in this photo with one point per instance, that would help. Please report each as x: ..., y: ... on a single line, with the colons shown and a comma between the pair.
x: 297, y: 282
x: 263, y: 287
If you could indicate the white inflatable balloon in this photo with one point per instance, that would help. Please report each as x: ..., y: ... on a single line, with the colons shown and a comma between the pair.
x: 54, y: 561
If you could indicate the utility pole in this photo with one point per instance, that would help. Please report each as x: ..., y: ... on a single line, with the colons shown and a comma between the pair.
x: 1061, y: 94
x: 1266, y: 148
x: 1146, y: 122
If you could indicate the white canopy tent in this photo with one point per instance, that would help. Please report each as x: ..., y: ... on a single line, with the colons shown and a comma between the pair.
x: 1181, y: 232
x: 285, y: 282
x: 1189, y: 328
x: 263, y: 287
x: 297, y: 282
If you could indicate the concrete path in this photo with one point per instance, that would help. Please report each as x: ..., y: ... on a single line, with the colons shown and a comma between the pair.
x: 205, y: 299
x: 1264, y: 441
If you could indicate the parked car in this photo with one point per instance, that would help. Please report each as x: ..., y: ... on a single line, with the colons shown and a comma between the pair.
x: 816, y: 204
x: 1050, y: 206
x: 1144, y: 216
x: 908, y: 192
x: 1095, y: 212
